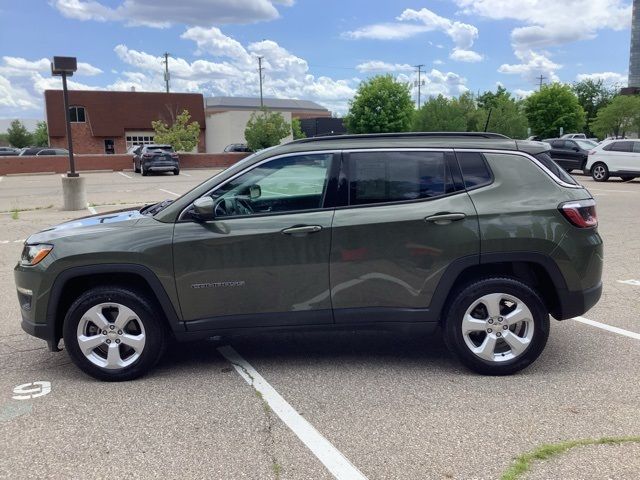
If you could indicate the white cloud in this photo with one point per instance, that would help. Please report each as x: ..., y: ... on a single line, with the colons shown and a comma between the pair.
x: 438, y: 62
x: 413, y: 22
x: 384, y: 67
x: 550, y: 22
x: 532, y: 66
x: 164, y: 13
x: 521, y: 94
x: 461, y: 55
x: 610, y: 78
x: 16, y: 66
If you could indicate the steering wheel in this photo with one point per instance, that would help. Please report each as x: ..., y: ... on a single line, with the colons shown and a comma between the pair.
x: 227, y: 207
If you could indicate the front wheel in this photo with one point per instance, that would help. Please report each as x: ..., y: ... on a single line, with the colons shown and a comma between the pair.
x: 600, y: 172
x: 497, y: 326
x: 113, y: 334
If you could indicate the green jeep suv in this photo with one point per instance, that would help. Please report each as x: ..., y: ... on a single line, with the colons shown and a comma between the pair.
x: 477, y: 234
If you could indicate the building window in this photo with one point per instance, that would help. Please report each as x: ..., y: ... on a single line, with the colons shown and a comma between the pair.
x: 138, y: 140
x: 77, y: 114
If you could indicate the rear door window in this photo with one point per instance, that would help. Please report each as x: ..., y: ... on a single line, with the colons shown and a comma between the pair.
x: 475, y: 170
x: 558, y: 171
x: 626, y: 146
x: 383, y: 177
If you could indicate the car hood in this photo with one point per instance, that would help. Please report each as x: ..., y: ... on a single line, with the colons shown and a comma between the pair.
x: 101, y: 222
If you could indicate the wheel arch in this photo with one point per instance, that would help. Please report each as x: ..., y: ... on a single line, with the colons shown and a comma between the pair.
x: 539, y: 271
x: 71, y: 283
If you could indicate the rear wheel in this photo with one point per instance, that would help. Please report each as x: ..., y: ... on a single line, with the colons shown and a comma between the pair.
x: 176, y: 171
x: 113, y: 334
x: 145, y: 172
x: 497, y: 326
x: 600, y: 172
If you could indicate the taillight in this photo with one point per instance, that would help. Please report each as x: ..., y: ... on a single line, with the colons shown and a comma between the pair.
x: 581, y: 213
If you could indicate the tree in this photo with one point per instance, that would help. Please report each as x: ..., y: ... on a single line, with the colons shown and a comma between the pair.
x: 490, y: 99
x: 552, y: 107
x: 621, y: 116
x: 40, y: 136
x: 296, y: 129
x: 505, y: 114
x: 592, y: 96
x: 380, y: 105
x: 18, y: 135
x: 265, y: 129
x: 182, y: 135
x: 440, y: 114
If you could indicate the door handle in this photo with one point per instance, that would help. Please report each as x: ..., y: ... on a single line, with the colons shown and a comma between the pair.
x: 445, y: 218
x: 302, y: 230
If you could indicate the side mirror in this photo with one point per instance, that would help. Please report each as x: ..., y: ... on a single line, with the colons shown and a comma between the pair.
x: 255, y: 192
x: 576, y: 149
x: 203, y: 208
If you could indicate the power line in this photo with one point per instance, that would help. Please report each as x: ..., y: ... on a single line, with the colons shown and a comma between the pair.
x: 541, y: 79
x: 419, y: 67
x: 260, y: 75
x: 166, y: 70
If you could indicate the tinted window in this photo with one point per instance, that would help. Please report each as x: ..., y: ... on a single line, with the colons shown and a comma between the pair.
x: 548, y: 162
x: 474, y: 169
x: 379, y: 177
x: 636, y: 147
x: 46, y: 152
x: 621, y: 147
x: 558, y: 144
x: 286, y: 184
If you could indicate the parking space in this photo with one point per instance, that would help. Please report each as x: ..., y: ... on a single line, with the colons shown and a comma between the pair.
x: 391, y: 405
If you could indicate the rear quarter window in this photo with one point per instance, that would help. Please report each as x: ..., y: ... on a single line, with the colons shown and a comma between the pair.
x: 556, y: 169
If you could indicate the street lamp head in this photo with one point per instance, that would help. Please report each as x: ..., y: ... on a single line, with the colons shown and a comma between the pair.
x: 64, y: 66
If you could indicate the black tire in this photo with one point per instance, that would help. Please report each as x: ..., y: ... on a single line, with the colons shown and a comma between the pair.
x: 145, y: 172
x: 627, y: 178
x: 176, y: 171
x: 600, y: 172
x: 464, y: 299
x: 154, y: 330
x: 135, y: 168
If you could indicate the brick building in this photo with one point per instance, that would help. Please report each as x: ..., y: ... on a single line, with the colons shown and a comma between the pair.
x: 111, y: 122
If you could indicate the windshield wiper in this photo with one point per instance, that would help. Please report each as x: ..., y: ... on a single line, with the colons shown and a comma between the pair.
x: 155, y: 208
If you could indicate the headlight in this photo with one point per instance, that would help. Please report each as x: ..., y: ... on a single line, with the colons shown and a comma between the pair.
x: 34, y: 254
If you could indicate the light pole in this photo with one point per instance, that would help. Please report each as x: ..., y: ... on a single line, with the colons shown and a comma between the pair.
x: 73, y: 192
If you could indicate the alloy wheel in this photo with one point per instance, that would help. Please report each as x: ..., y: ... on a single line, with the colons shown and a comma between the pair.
x: 599, y: 172
x: 111, y: 336
x: 498, y: 327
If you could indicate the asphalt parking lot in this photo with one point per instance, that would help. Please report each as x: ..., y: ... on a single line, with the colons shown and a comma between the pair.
x: 388, y: 405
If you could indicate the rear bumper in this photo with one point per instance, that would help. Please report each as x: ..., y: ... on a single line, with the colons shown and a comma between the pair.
x: 573, y: 304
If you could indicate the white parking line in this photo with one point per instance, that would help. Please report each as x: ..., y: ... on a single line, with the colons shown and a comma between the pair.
x: 185, y: 174
x: 125, y: 175
x: 92, y: 210
x: 635, y: 283
x: 604, y: 326
x: 339, y: 466
x: 169, y: 192
x: 612, y: 191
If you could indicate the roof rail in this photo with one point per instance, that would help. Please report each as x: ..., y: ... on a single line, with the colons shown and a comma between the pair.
x: 486, y: 135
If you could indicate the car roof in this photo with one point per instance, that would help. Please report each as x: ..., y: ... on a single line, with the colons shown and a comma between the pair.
x: 471, y: 140
x: 158, y: 145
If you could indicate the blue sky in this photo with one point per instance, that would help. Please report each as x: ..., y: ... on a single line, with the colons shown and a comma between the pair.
x: 316, y: 50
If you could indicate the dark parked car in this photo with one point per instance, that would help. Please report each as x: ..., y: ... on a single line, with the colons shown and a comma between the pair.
x: 156, y: 158
x: 30, y: 151
x: 7, y: 151
x: 474, y: 234
x: 237, y: 147
x: 571, y: 153
x: 52, y: 151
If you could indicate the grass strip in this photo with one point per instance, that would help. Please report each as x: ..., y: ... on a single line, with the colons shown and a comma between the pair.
x: 522, y: 464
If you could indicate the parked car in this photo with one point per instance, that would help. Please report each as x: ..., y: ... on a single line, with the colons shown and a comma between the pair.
x: 571, y: 154
x: 237, y: 147
x: 615, y: 158
x: 31, y: 151
x: 475, y: 233
x: 574, y: 135
x: 156, y: 158
x: 8, y: 151
x: 52, y: 151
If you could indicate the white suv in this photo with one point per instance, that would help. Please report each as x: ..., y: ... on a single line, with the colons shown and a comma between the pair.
x: 614, y: 158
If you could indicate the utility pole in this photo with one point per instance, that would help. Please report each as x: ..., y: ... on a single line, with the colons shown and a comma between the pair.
x: 260, y: 74
x: 419, y: 67
x: 541, y: 79
x: 166, y: 70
